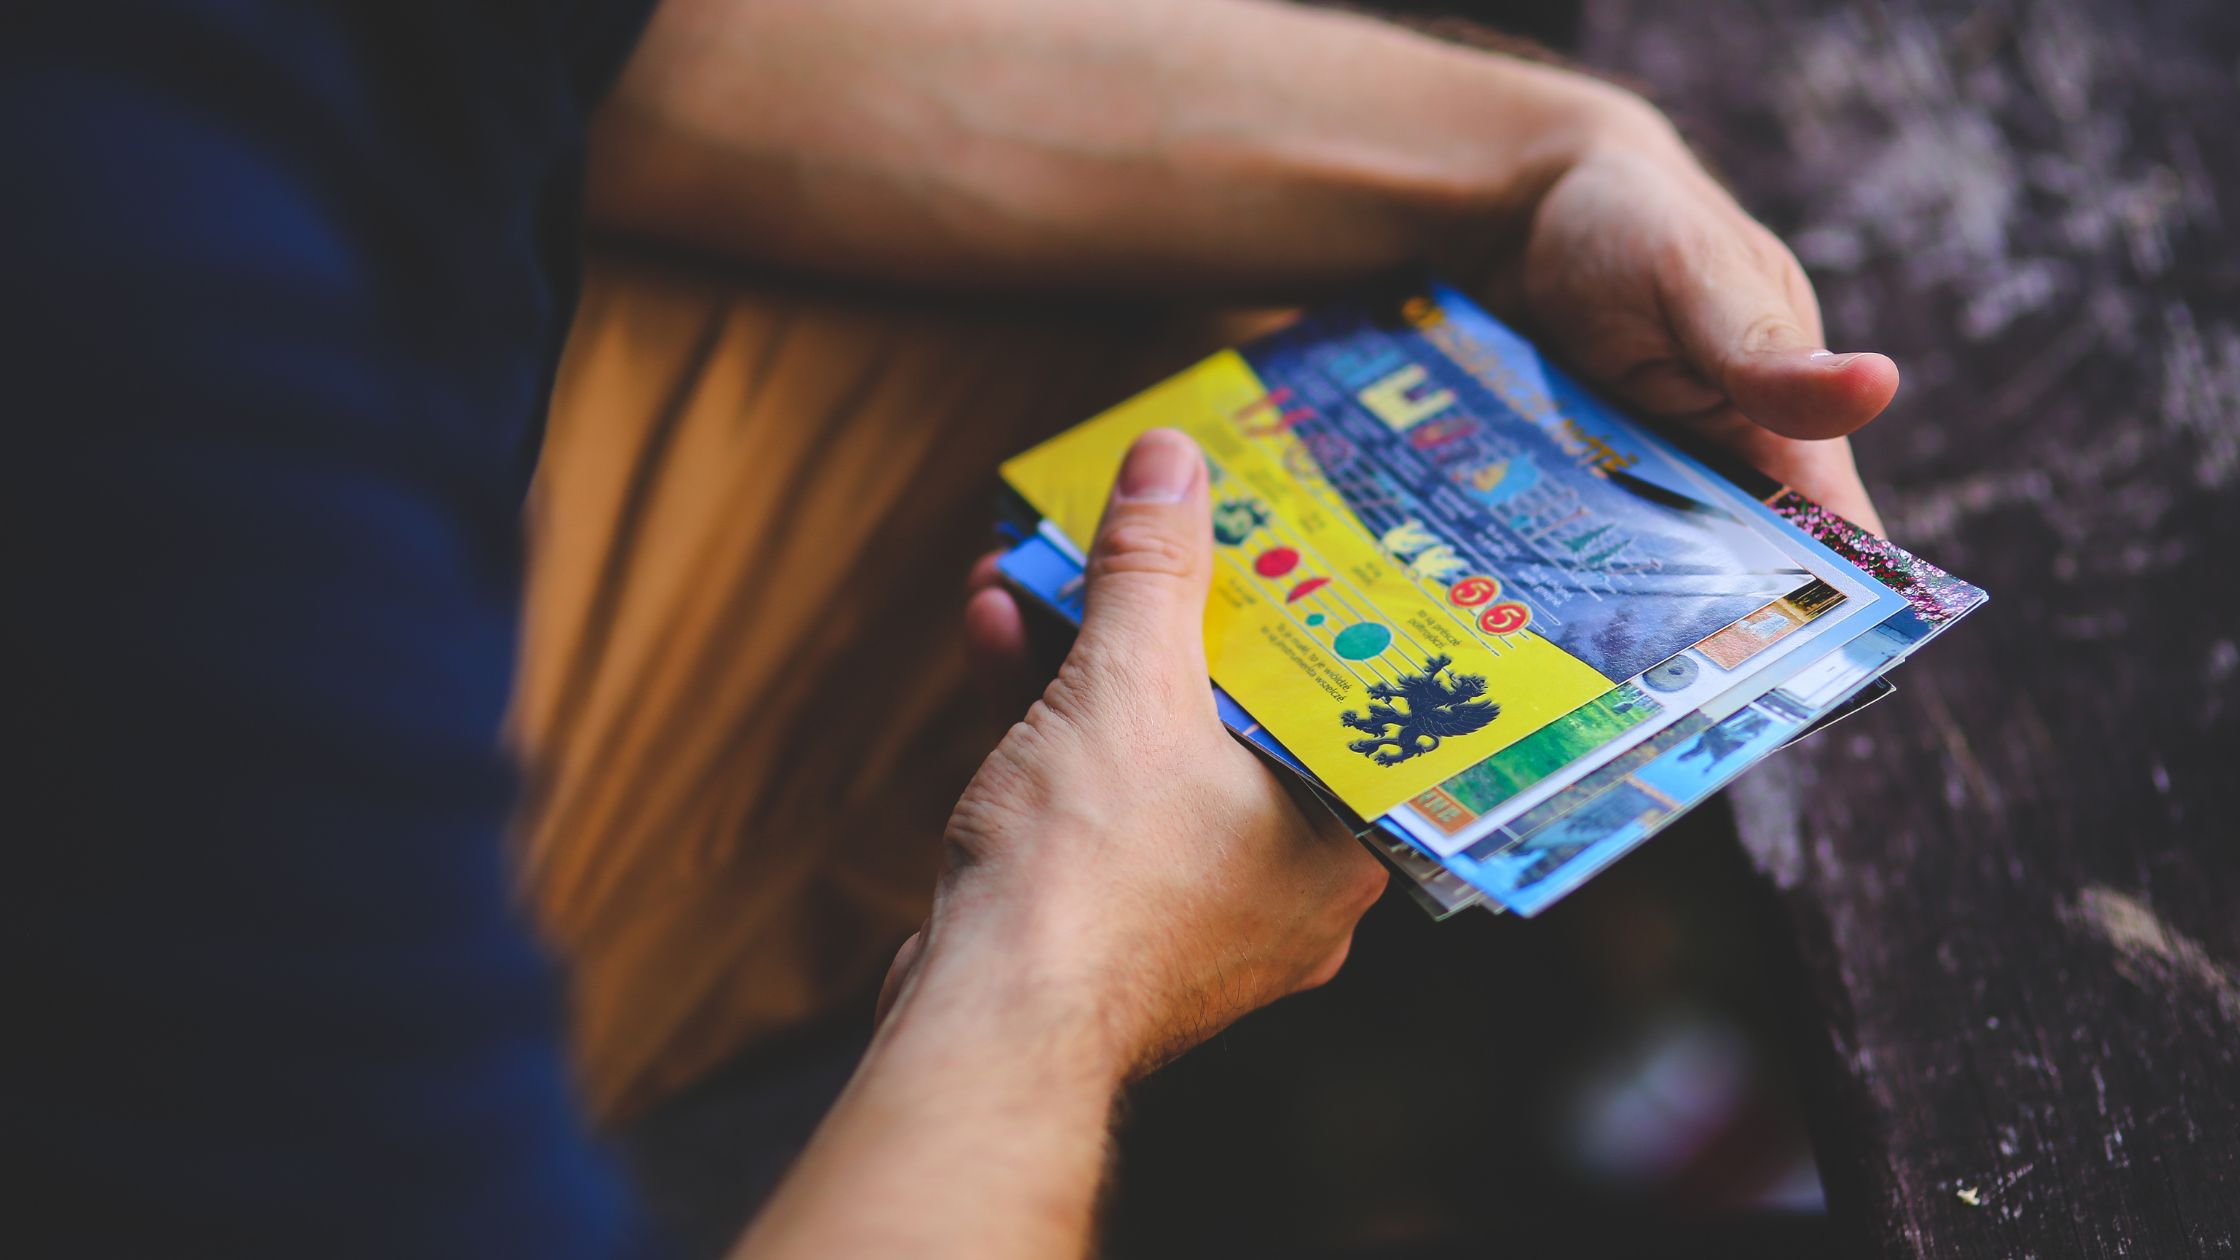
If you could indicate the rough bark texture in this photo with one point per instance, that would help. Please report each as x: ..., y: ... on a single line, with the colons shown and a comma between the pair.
x: 2013, y: 886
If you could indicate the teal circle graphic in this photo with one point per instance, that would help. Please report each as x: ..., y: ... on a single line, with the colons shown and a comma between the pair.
x: 1362, y: 640
x: 1316, y: 619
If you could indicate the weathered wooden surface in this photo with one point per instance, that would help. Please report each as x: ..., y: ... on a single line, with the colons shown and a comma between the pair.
x: 2014, y: 885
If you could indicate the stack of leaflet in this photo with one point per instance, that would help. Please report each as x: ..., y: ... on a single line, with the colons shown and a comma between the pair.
x: 1505, y: 631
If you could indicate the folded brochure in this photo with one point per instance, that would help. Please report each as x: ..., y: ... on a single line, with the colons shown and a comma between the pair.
x: 1471, y: 601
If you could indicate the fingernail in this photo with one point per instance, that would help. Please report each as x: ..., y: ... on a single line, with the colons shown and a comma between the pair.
x: 1159, y: 468
x: 1831, y: 360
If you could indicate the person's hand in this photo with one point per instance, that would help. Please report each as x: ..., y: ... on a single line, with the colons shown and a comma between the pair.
x: 1120, y: 856
x: 1639, y: 269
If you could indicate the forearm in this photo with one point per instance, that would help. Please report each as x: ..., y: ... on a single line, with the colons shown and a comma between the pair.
x: 975, y: 1127
x: 1123, y: 144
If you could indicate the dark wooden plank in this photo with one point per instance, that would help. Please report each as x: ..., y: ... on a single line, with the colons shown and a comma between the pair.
x: 2013, y: 885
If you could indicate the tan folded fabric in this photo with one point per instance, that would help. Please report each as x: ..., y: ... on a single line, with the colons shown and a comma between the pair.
x: 743, y: 704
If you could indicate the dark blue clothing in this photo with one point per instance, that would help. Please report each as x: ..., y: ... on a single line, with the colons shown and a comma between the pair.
x: 281, y: 289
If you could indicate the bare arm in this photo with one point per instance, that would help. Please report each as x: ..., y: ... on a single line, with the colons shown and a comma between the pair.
x: 975, y: 1127
x: 1231, y: 147
x: 1133, y: 144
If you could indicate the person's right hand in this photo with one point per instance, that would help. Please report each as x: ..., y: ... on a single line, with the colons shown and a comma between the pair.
x: 1120, y: 860
x: 1644, y: 273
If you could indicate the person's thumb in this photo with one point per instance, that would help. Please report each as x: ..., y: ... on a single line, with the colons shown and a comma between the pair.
x: 1150, y: 565
x: 1752, y: 331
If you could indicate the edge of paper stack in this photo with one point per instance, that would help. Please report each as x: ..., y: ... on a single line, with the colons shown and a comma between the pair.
x: 1408, y: 424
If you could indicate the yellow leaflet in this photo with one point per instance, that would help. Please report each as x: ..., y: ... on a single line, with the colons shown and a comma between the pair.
x: 1307, y: 614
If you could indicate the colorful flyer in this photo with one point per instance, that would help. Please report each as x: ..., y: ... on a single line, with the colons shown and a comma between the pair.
x: 1533, y: 861
x: 1432, y: 547
x: 1477, y: 803
x: 1538, y: 857
x: 1598, y: 816
x: 1379, y: 688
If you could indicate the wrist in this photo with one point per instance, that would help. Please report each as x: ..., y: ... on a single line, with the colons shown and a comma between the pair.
x: 1050, y: 1012
x: 1616, y: 122
x: 978, y: 1124
x: 1524, y: 126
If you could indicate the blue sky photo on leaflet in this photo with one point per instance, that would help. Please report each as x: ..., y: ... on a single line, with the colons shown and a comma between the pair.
x: 1609, y: 540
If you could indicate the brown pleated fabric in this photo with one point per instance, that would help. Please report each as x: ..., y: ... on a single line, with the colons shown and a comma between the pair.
x: 744, y: 707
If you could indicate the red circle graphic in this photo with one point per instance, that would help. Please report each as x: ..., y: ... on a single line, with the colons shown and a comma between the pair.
x: 1506, y: 617
x: 1275, y: 562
